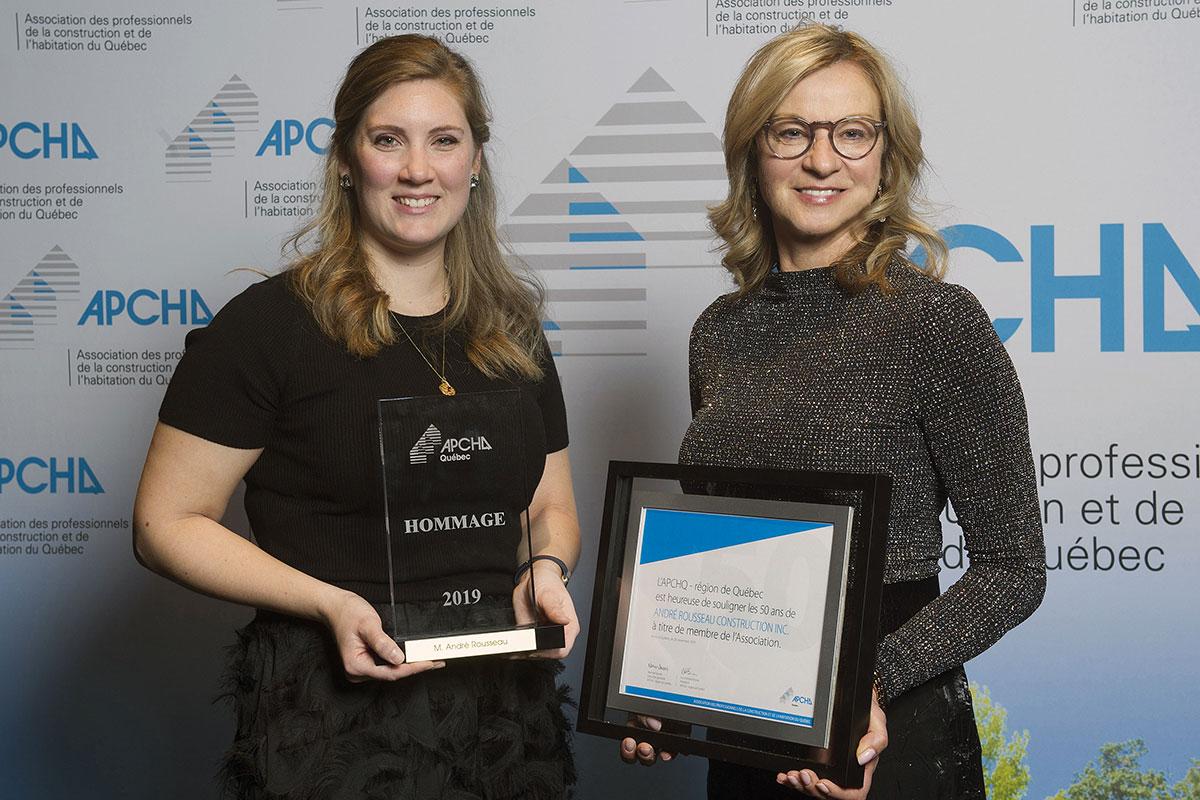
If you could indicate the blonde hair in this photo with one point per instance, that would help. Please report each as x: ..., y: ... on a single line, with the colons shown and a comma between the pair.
x: 499, y: 310
x: 748, y: 242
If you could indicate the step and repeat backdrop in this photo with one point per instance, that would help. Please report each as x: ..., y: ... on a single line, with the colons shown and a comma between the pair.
x: 149, y: 150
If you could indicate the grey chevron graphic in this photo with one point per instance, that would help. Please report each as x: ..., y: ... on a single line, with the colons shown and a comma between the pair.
x: 37, y: 299
x: 211, y: 133
x: 631, y: 196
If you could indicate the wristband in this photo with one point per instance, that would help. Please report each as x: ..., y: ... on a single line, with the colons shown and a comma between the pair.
x: 562, y: 565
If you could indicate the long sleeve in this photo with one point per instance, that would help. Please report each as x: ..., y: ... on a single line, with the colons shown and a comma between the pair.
x: 972, y: 411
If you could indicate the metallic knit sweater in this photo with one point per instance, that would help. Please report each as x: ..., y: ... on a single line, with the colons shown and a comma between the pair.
x: 916, y: 384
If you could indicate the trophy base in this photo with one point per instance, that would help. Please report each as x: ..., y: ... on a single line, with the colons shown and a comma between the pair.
x: 498, y: 641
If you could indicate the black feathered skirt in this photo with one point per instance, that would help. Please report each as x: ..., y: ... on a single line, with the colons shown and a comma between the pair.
x: 476, y: 729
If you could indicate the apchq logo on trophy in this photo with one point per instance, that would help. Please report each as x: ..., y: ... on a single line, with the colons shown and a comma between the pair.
x: 458, y: 448
x: 212, y: 133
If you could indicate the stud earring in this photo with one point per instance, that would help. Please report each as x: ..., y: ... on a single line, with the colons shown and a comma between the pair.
x: 345, y: 182
x: 474, y: 181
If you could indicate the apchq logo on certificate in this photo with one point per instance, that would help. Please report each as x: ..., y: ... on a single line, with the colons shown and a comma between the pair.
x: 735, y: 613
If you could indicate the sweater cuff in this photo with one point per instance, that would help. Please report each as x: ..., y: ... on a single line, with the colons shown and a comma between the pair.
x: 887, y: 658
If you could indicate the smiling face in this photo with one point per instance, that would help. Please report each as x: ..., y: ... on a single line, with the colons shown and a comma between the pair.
x: 414, y: 157
x: 816, y: 201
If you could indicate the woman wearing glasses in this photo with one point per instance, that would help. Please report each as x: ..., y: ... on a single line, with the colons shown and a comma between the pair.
x: 837, y: 352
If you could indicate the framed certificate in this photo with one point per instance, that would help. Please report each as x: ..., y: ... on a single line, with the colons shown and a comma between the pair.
x: 739, y: 607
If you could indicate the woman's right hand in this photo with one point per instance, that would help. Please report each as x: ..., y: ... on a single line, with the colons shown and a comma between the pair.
x: 362, y: 642
x: 643, y: 752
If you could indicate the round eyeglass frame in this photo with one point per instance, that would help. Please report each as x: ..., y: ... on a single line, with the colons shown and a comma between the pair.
x: 813, y: 127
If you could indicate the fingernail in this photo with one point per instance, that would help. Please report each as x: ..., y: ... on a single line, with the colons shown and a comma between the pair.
x: 866, y: 755
x: 653, y: 724
x: 627, y: 746
x: 824, y: 789
x: 646, y: 750
x: 665, y: 756
x: 807, y: 781
x: 794, y: 781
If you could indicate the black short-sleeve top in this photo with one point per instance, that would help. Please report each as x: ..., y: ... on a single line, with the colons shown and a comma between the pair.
x: 263, y: 375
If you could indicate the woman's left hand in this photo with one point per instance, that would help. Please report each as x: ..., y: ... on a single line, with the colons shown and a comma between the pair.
x: 869, y: 748
x: 553, y: 605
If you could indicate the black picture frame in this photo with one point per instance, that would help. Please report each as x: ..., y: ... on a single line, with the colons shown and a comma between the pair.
x: 869, y: 495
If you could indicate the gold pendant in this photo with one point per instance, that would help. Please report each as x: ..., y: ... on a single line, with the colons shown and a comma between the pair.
x: 446, y: 388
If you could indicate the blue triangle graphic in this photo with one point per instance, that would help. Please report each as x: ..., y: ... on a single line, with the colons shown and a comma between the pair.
x: 575, y: 176
x: 671, y: 534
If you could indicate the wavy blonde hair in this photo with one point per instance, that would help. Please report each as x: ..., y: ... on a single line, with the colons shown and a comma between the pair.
x: 499, y: 310
x: 748, y: 244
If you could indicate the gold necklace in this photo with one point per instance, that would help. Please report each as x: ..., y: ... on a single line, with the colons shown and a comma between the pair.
x: 444, y: 386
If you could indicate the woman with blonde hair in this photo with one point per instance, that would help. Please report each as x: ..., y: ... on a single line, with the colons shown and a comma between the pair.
x: 399, y: 289
x: 838, y: 352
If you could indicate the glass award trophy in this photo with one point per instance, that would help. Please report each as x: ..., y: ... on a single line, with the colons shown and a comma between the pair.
x: 455, y: 483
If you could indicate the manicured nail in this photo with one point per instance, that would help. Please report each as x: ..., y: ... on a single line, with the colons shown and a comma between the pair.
x: 866, y: 755
x: 824, y: 789
x: 807, y: 781
x: 653, y: 724
x: 794, y: 781
x: 627, y: 745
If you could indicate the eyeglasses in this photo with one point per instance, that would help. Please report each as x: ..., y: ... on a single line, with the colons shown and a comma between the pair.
x: 851, y: 137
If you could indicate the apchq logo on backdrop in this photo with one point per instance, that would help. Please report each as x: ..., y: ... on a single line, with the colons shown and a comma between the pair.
x: 61, y: 140
x: 1161, y: 256
x: 212, y: 133
x: 578, y: 222
x: 454, y: 448
x: 286, y: 135
x: 146, y: 307
x: 52, y: 474
x: 42, y: 297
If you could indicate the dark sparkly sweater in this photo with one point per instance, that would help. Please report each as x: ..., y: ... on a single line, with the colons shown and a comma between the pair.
x: 915, y: 384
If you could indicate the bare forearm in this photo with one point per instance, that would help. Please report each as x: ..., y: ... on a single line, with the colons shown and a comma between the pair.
x: 555, y: 532
x: 203, y: 555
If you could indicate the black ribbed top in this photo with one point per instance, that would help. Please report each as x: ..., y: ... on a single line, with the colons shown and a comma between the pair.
x: 263, y: 375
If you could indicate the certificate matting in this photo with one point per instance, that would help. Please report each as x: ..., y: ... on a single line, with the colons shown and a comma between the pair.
x: 713, y: 711
x: 732, y: 613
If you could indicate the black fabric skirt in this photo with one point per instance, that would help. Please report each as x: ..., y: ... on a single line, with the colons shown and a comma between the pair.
x: 476, y: 729
x: 933, y: 750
